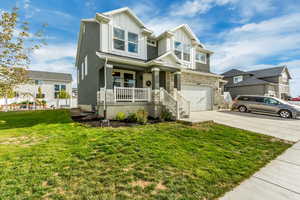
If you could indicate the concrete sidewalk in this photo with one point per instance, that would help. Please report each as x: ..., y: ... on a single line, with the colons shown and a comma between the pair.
x: 279, y: 180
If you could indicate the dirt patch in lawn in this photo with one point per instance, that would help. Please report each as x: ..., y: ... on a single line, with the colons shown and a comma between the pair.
x: 140, y: 183
x: 22, y: 141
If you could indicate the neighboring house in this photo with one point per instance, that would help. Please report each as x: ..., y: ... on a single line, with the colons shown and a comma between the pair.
x: 122, y: 66
x: 268, y: 82
x: 49, y: 82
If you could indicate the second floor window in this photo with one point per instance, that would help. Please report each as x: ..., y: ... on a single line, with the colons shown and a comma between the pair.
x: 201, y: 57
x: 132, y: 42
x: 186, y: 52
x: 182, y: 51
x: 119, y: 39
x: 178, y: 49
x: 237, y: 79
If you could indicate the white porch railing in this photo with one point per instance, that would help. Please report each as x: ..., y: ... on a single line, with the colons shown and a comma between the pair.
x: 127, y: 94
x: 169, y: 102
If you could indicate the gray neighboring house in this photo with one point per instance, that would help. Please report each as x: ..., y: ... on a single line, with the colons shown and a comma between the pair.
x: 49, y: 82
x: 122, y: 66
x: 268, y: 82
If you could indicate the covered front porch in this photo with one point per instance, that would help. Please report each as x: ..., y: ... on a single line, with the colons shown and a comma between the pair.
x: 138, y: 85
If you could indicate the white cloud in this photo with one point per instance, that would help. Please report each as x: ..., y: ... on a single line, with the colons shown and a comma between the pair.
x: 161, y: 24
x: 245, y: 9
x: 194, y: 7
x: 145, y: 9
x: 54, y: 52
x: 250, y: 43
x: 56, y: 58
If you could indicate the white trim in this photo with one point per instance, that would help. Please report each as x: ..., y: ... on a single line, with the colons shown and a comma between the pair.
x: 132, y: 14
x: 201, y: 73
x: 155, y: 69
x: 171, y: 53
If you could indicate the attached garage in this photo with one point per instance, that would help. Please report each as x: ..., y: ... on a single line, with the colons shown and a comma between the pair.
x: 200, y: 97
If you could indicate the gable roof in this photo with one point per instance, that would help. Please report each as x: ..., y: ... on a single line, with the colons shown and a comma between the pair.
x: 53, y: 76
x: 234, y: 72
x: 261, y: 73
x: 128, y: 11
x: 189, y: 31
x: 269, y: 72
x: 169, y: 53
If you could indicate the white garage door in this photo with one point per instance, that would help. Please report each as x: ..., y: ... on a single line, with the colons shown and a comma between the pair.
x: 199, y: 96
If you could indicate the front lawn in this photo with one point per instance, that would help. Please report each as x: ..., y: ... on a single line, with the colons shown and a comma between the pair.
x: 44, y: 155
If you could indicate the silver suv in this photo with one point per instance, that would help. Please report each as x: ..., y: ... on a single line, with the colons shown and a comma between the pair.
x: 270, y: 105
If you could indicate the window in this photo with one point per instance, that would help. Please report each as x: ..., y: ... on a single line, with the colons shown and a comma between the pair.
x: 201, y: 57
x: 133, y: 42
x: 178, y: 49
x: 38, y: 82
x: 151, y: 42
x: 119, y: 39
x: 128, y: 80
x: 271, y: 101
x: 82, y: 71
x: 123, y: 78
x: 117, y: 79
x: 58, y: 88
x: 56, y: 91
x: 237, y: 79
x: 85, y: 65
x: 186, y: 52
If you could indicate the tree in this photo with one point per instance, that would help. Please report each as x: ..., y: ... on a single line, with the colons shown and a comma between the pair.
x: 16, y: 45
x: 39, y: 95
x: 63, y: 94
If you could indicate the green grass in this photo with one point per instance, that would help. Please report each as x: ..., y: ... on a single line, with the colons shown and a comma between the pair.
x: 44, y: 155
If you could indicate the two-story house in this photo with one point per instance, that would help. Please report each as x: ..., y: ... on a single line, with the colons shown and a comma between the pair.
x: 267, y: 82
x: 122, y: 66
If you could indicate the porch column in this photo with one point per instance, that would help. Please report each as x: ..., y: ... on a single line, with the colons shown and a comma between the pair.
x: 155, y: 78
x: 108, y: 77
x: 109, y: 92
x: 177, y: 81
x: 155, y: 92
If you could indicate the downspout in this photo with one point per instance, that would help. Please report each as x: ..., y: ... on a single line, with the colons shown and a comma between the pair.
x: 104, y: 103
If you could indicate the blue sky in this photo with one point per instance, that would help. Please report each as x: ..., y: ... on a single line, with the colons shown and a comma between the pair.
x: 243, y: 34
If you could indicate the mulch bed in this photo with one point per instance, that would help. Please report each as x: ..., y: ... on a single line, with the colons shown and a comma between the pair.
x: 95, y: 121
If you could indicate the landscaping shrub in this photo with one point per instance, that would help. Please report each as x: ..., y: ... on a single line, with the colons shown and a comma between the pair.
x: 166, y: 115
x: 142, y: 116
x: 131, y: 117
x: 120, y: 116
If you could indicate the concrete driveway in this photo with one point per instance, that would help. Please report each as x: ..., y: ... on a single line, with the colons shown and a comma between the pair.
x: 280, y: 179
x: 287, y: 129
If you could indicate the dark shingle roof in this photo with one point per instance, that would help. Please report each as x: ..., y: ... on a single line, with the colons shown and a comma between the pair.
x: 269, y: 72
x: 41, y: 75
x: 249, y: 81
x: 234, y: 72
